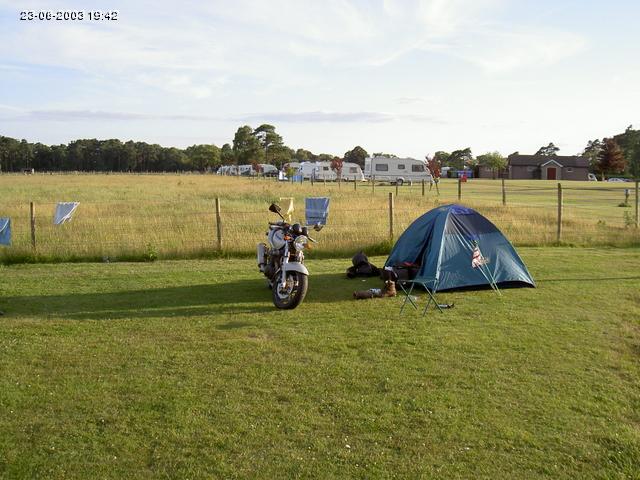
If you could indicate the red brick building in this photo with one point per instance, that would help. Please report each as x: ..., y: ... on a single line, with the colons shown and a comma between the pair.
x: 539, y: 167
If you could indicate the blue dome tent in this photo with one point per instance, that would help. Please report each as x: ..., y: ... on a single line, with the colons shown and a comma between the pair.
x: 456, y: 247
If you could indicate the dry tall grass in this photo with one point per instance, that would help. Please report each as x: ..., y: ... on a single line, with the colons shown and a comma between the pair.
x: 171, y: 216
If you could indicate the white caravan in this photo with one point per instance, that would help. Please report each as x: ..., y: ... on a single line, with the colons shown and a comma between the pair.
x: 268, y: 169
x: 246, y: 170
x: 322, y: 171
x: 294, y: 165
x: 396, y: 170
x: 228, y: 170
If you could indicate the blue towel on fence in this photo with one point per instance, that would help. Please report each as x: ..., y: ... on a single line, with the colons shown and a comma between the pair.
x: 64, y: 212
x: 317, y: 210
x: 5, y: 231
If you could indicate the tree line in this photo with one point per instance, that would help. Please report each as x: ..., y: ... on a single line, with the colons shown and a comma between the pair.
x: 250, y: 146
x: 619, y: 154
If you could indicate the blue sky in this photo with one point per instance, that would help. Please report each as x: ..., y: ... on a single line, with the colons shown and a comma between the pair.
x: 405, y: 77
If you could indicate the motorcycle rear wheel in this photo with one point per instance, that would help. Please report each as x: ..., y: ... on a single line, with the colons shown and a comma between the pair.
x: 294, y: 294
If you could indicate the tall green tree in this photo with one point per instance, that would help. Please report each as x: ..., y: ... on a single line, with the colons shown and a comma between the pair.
x: 442, y: 158
x: 227, y: 157
x: 592, y: 151
x: 9, y: 148
x: 246, y: 146
x: 279, y: 155
x: 460, y: 159
x: 42, y: 157
x: 549, y: 151
x: 269, y: 140
x: 303, y: 155
x: 26, y: 154
x: 356, y: 155
x: 634, y: 161
x: 628, y: 142
x: 202, y: 157
x: 172, y: 159
x: 493, y: 160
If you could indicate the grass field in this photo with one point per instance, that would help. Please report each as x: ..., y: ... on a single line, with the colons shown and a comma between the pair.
x: 183, y: 369
x: 173, y: 216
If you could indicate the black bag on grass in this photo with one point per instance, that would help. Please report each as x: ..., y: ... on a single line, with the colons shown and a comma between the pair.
x: 362, y: 267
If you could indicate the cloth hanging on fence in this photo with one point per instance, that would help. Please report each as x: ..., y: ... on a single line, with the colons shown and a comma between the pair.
x: 317, y: 210
x: 286, y: 203
x: 5, y: 231
x: 64, y: 212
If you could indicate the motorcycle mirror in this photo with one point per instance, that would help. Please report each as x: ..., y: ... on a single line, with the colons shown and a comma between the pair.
x: 275, y: 208
x: 317, y: 227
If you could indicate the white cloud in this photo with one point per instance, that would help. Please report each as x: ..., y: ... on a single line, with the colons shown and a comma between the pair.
x: 58, y: 115
x: 500, y: 50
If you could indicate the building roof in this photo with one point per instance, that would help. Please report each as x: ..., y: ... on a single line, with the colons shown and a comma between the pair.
x: 537, y: 160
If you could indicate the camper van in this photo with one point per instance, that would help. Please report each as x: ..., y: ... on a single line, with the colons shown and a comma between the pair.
x: 322, y: 171
x: 396, y: 170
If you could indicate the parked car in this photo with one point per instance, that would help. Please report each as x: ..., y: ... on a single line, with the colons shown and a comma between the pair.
x: 592, y: 178
x: 615, y: 179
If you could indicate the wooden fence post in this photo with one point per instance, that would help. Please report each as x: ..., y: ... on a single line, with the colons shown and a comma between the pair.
x: 504, y: 193
x: 218, y: 224
x: 391, y: 217
x: 32, y: 213
x: 559, y: 236
x: 637, y: 217
x: 396, y: 188
x: 459, y: 188
x: 373, y: 185
x: 355, y: 184
x: 423, y: 187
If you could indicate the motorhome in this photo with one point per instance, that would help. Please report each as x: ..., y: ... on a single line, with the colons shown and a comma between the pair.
x: 322, y: 171
x: 396, y: 170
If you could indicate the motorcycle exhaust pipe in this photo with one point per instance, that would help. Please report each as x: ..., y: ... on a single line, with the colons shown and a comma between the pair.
x: 261, y: 254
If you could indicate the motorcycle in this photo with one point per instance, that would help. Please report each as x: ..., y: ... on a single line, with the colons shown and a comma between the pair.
x: 282, y: 260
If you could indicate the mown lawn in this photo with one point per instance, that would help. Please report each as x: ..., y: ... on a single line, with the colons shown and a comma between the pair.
x: 183, y: 369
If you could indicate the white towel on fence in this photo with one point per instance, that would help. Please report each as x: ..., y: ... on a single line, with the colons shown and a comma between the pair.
x: 5, y: 231
x: 64, y: 212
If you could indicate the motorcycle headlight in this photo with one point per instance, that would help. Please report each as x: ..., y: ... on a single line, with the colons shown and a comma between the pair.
x: 300, y: 242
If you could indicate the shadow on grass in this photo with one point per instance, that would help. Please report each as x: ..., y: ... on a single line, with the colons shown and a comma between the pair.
x: 585, y: 279
x: 246, y: 296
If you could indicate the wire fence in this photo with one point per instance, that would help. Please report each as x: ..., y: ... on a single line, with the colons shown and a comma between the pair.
x: 361, y: 216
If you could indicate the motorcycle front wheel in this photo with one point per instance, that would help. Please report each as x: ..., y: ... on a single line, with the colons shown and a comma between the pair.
x: 293, y: 292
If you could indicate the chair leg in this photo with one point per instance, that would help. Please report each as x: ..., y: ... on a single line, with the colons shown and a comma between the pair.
x: 432, y: 297
x: 407, y: 297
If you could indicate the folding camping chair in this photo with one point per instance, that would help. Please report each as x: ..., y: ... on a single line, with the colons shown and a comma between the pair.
x: 423, y: 284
